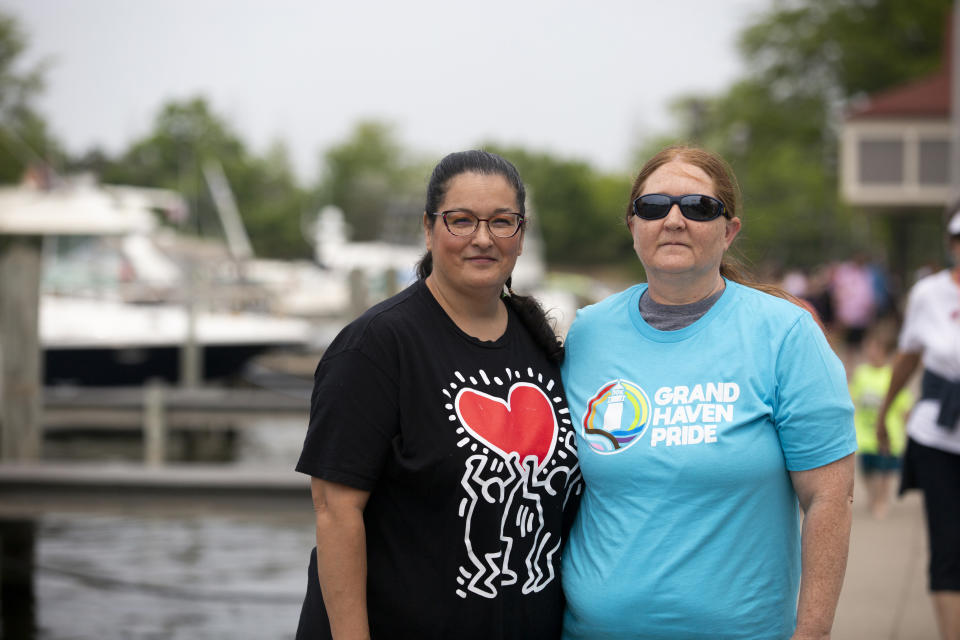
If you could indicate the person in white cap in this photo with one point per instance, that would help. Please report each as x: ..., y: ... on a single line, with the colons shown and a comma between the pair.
x: 931, y: 336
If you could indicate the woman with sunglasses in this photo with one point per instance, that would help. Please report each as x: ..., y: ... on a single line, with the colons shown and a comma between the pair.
x: 443, y: 463
x: 707, y: 412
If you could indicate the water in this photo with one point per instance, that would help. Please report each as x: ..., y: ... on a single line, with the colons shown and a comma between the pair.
x: 174, y: 575
x: 103, y: 576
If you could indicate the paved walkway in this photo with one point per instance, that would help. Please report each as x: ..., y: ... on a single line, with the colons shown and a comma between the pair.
x: 885, y: 593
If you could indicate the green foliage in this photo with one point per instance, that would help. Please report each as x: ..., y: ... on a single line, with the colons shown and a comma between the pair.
x: 187, y: 135
x: 840, y: 48
x: 782, y: 153
x: 378, y: 186
x: 579, y: 210
x: 777, y: 127
x: 24, y: 138
x: 274, y: 208
x: 374, y: 182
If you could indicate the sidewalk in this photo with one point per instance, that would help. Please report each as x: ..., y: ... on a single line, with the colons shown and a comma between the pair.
x: 885, y: 593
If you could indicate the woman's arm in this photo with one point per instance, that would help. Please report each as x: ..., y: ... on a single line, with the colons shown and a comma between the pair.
x: 342, y: 557
x: 904, y: 365
x: 826, y: 497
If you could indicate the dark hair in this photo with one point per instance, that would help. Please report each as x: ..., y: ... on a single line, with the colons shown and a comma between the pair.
x: 727, y: 191
x: 884, y: 333
x: 490, y: 164
x: 473, y: 161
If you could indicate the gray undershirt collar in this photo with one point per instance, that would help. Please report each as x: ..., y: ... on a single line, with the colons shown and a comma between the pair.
x: 671, y: 317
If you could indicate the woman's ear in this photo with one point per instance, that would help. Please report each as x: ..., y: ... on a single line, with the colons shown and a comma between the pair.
x: 733, y: 228
x: 428, y: 230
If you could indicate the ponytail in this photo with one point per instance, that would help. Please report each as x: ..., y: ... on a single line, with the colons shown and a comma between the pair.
x: 425, y: 266
x: 535, y: 319
x: 733, y: 270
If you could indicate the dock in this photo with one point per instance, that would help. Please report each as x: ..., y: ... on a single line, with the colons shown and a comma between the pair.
x: 32, y: 489
x: 157, y: 412
x: 208, y: 407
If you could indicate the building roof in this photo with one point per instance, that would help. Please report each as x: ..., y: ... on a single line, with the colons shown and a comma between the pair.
x: 928, y: 97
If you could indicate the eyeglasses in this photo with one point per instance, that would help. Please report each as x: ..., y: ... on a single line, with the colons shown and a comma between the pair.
x: 464, y: 223
x: 693, y: 206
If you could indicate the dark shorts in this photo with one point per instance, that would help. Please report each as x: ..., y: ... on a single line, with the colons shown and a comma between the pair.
x: 876, y: 463
x: 937, y: 474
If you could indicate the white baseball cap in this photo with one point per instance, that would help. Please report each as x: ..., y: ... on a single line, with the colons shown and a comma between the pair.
x: 953, y: 227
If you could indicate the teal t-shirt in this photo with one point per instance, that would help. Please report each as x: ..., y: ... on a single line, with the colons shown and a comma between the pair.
x: 689, y: 526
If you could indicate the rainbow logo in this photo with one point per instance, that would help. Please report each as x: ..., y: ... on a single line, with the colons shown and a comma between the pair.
x: 617, y: 416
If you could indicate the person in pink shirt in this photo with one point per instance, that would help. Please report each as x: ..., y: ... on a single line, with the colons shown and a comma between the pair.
x: 854, y: 303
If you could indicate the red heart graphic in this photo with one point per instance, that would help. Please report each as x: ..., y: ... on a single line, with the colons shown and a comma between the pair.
x: 524, y: 424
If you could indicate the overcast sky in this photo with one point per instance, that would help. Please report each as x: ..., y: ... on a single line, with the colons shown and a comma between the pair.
x: 582, y: 79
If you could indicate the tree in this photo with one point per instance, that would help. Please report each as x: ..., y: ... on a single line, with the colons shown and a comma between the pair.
x: 579, y: 210
x: 834, y: 48
x: 24, y: 137
x: 377, y: 185
x: 185, y: 137
x: 806, y: 60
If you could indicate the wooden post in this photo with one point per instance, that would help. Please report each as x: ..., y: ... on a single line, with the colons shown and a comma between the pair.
x: 357, y: 281
x: 191, y: 351
x: 393, y: 284
x: 154, y: 424
x: 21, y: 370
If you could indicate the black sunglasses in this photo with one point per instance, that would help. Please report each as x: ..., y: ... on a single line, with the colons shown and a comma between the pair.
x: 693, y: 206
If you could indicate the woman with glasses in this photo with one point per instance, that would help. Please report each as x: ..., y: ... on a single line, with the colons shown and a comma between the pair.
x: 442, y: 457
x: 709, y: 414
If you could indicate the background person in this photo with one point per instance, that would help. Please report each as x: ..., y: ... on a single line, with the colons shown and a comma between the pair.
x: 854, y: 298
x: 442, y: 460
x: 868, y: 385
x: 706, y: 411
x: 931, y: 336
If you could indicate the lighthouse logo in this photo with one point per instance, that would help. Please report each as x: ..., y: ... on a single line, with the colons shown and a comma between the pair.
x: 617, y: 416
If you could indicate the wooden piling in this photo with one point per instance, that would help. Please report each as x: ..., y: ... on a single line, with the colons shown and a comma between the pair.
x: 154, y: 424
x: 359, y: 295
x: 20, y: 356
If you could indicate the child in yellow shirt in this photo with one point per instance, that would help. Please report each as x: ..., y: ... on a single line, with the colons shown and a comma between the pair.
x: 868, y: 384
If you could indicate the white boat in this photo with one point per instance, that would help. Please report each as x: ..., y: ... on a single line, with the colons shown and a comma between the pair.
x: 107, y: 342
x: 115, y: 308
x: 123, y: 297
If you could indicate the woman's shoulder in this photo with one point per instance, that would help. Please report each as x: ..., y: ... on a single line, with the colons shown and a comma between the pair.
x: 614, y: 301
x: 767, y: 304
x: 772, y: 314
x: 402, y: 312
x: 933, y: 284
x: 595, y: 321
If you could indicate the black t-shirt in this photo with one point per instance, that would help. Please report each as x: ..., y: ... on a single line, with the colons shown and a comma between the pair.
x: 468, y: 451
